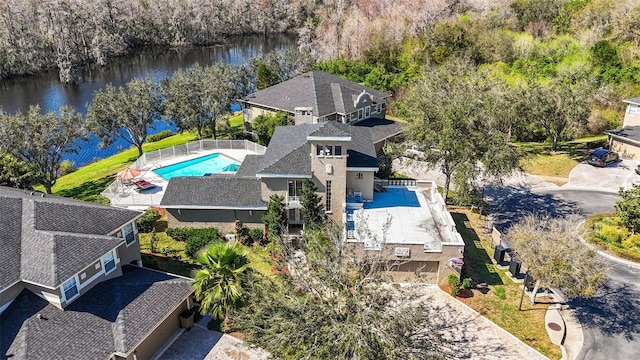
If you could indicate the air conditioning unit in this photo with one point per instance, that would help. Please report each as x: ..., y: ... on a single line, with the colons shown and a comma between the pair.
x: 329, y: 169
x: 230, y: 237
x: 402, y: 252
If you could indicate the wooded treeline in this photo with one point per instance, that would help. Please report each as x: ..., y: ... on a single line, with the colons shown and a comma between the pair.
x: 38, y: 35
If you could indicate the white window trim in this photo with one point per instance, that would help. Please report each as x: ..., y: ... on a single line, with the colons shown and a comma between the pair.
x: 134, y: 231
x: 115, y: 262
x: 64, y: 293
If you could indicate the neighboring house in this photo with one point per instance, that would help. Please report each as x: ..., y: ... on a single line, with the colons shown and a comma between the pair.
x: 66, y: 289
x: 626, y: 140
x: 316, y: 97
x: 341, y: 160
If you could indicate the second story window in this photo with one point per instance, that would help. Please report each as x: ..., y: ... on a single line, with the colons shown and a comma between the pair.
x: 70, y: 288
x: 127, y: 233
x: 108, y: 262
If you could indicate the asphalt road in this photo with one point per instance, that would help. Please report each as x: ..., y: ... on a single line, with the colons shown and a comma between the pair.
x: 610, y: 320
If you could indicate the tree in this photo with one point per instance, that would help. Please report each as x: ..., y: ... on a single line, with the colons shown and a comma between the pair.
x: 560, y: 107
x: 312, y: 209
x: 42, y: 139
x: 125, y: 113
x: 551, y: 251
x: 462, y: 134
x: 275, y: 220
x: 220, y: 284
x: 329, y: 303
x: 197, y: 97
x: 265, y: 125
x: 628, y: 207
x: 265, y: 76
x: 17, y: 173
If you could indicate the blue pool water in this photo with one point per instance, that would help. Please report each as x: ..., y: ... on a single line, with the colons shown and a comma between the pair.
x: 210, y: 164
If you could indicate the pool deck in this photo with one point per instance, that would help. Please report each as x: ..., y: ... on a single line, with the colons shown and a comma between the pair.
x: 415, y: 217
x: 128, y: 196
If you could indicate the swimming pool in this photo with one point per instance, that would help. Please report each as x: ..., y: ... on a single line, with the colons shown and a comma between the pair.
x: 210, y: 164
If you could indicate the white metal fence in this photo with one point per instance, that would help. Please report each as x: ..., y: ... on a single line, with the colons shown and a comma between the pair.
x: 153, y: 157
x: 195, y: 147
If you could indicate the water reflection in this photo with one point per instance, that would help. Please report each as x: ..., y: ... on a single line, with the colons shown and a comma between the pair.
x: 157, y: 63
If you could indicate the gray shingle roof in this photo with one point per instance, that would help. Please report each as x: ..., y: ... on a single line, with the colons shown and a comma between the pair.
x: 113, y: 316
x: 250, y: 165
x: 213, y: 191
x: 628, y: 132
x: 381, y: 129
x: 362, y: 152
x: 10, y: 235
x: 50, y: 238
x: 635, y: 100
x: 331, y: 129
x: 325, y: 93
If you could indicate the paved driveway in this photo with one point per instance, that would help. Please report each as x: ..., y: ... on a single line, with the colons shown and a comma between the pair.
x: 609, y: 178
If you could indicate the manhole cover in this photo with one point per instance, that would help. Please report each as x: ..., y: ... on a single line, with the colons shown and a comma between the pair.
x: 554, y: 326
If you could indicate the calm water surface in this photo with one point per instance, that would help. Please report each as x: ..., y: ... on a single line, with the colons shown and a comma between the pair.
x: 46, y: 90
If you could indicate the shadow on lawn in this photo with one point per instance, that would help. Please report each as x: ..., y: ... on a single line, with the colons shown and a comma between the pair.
x: 477, y: 262
x: 88, y: 190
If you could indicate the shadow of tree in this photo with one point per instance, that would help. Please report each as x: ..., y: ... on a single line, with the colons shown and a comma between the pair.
x: 509, y: 204
x: 477, y: 262
x: 87, y: 190
x: 615, y: 310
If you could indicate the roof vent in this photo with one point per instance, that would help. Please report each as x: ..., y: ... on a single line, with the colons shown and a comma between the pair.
x: 43, y: 194
x: 32, y: 193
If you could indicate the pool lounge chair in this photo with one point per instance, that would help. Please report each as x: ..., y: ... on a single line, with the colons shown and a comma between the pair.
x: 143, y: 185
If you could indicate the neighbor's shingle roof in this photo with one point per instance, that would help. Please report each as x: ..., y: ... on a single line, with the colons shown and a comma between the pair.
x: 114, y: 316
x: 635, y: 100
x: 325, y: 93
x: 213, y: 191
x: 629, y: 133
x: 49, y: 238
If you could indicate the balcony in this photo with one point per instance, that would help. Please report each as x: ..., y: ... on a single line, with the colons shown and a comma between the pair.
x: 294, y: 202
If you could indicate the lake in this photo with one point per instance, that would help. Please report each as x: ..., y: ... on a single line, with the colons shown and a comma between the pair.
x: 18, y: 94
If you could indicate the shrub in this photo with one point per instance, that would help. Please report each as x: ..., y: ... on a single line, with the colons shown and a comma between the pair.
x: 153, y: 241
x: 632, y: 241
x: 159, y: 136
x: 256, y: 234
x: 499, y: 291
x: 182, y: 234
x: 147, y: 222
x: 67, y: 167
x: 466, y: 283
x: 242, y: 233
x: 194, y: 244
x: 454, y: 284
x: 611, y: 234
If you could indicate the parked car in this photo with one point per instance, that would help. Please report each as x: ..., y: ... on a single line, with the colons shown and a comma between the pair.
x: 602, y: 157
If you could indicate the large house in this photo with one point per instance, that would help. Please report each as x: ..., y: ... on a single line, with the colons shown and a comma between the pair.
x: 72, y: 285
x: 315, y: 97
x: 626, y: 140
x: 338, y: 158
x: 341, y: 160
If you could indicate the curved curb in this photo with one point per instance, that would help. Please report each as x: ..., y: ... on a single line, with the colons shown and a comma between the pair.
x: 492, y: 323
x: 610, y: 257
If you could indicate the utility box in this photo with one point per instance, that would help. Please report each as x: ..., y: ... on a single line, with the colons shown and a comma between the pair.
x: 514, y: 267
x: 498, y: 254
x: 529, y: 283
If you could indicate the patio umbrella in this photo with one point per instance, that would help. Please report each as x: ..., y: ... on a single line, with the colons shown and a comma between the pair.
x: 128, y: 174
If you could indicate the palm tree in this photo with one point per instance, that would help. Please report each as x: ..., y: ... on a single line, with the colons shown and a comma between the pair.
x: 219, y: 285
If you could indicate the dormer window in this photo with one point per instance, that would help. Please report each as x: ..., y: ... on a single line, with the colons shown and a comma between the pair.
x: 329, y: 150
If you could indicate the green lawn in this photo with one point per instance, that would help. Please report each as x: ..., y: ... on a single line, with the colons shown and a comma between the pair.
x: 527, y: 325
x: 87, y: 182
x: 556, y: 165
